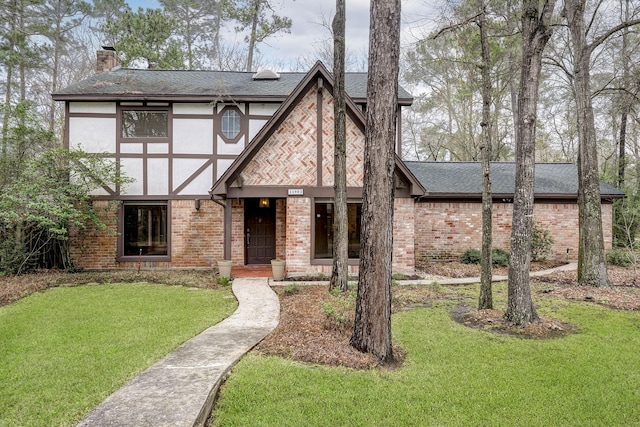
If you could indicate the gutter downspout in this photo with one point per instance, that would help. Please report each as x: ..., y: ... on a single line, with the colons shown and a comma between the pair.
x: 226, y: 227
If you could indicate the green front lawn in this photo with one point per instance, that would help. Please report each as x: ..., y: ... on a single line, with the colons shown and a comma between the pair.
x: 63, y: 351
x: 457, y: 376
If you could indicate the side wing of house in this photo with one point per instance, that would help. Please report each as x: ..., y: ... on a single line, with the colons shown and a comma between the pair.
x: 449, y: 219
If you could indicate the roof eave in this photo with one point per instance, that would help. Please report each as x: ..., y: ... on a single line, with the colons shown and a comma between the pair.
x: 537, y: 196
x: 167, y: 98
x: 404, y: 102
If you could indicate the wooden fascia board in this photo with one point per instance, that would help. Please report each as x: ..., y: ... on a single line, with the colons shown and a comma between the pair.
x: 404, y: 102
x: 417, y: 189
x: 168, y: 98
x: 499, y: 196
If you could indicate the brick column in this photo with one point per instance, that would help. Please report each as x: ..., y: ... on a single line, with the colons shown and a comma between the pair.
x: 298, y: 234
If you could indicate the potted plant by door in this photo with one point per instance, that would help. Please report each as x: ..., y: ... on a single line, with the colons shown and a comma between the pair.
x: 224, y: 268
x: 277, y: 268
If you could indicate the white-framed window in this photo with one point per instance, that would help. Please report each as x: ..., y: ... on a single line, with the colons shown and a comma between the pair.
x: 231, y: 123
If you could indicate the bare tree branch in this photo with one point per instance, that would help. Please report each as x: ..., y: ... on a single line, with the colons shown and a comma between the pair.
x: 455, y: 26
x: 601, y: 39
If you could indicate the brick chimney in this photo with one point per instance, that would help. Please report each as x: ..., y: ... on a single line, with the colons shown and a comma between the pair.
x: 106, y: 59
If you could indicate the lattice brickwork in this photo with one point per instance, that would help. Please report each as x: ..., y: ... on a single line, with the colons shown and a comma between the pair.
x: 289, y: 157
x: 355, y: 147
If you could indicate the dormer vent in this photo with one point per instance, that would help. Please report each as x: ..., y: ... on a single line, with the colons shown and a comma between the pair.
x: 266, y: 75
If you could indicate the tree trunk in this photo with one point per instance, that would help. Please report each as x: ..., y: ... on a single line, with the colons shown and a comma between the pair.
x: 6, y: 113
x: 485, y: 301
x: 340, y: 273
x: 54, y: 74
x: 217, y: 24
x: 536, y: 31
x: 626, y: 102
x: 622, y: 145
x: 253, y: 34
x: 372, y: 329
x: 592, y: 266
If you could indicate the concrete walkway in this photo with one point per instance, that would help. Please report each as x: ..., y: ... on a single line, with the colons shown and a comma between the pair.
x: 179, y: 390
x: 473, y: 280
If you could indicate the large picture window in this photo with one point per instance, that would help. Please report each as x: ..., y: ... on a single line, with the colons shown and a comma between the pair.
x: 145, y: 124
x: 145, y: 229
x: 324, y: 217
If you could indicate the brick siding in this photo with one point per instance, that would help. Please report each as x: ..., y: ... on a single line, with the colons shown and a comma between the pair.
x: 237, y: 232
x: 197, y: 238
x: 355, y: 144
x: 403, y: 236
x: 281, y: 228
x: 444, y: 230
x: 298, y: 235
x: 93, y: 247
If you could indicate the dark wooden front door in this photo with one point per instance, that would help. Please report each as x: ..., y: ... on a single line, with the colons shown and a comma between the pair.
x: 260, y: 231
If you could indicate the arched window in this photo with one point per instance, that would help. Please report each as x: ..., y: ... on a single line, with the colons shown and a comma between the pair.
x: 230, y: 123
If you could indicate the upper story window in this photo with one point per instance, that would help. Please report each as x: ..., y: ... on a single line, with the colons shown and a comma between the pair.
x: 145, y: 124
x: 231, y: 123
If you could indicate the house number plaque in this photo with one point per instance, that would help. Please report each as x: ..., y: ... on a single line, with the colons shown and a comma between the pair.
x: 295, y: 192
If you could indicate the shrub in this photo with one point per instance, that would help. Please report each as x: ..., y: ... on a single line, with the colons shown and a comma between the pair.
x: 339, y: 309
x: 541, y: 243
x: 291, y: 289
x: 223, y: 281
x: 499, y: 257
x: 471, y: 256
x: 621, y: 257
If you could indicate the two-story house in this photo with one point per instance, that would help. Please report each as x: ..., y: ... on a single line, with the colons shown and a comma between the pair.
x: 237, y: 165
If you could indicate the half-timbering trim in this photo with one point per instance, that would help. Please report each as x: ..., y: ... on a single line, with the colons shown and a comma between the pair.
x: 319, y: 138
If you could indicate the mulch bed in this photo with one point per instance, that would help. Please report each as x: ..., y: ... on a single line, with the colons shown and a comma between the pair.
x: 457, y: 269
x: 304, y: 334
x: 13, y: 288
x: 493, y: 321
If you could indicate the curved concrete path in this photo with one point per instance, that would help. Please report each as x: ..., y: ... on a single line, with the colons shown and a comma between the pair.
x: 446, y: 281
x: 473, y: 280
x: 179, y: 390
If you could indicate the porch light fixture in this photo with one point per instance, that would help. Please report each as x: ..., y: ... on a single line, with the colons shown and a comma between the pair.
x: 264, y: 202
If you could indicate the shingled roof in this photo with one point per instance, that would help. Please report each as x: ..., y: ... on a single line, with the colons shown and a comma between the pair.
x: 181, y: 85
x: 464, y: 179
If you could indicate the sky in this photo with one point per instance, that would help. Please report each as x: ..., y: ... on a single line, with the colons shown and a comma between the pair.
x: 307, y: 30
